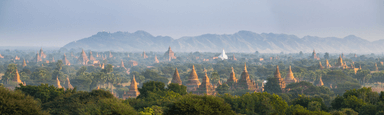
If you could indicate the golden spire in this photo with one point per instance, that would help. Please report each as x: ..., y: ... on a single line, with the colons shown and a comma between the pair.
x: 17, y: 77
x: 321, y: 66
x: 69, y: 86
x: 277, y: 73
x: 24, y: 63
x: 245, y: 67
x: 232, y: 76
x: 58, y: 82
x: 193, y: 74
x: 122, y: 63
x: 176, y: 77
x: 320, y: 82
x: 102, y: 66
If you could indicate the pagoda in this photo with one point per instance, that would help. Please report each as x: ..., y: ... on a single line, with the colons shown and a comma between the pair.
x: 314, y: 55
x: 290, y: 78
x: 38, y: 58
x: 91, y: 58
x: 110, y: 54
x: 169, y: 55
x: 68, y: 83
x: 234, y: 58
x: 327, y: 65
x: 58, y: 82
x: 42, y: 54
x: 193, y: 80
x: 156, y: 60
x: 320, y: 66
x: 376, y: 68
x: 65, y: 60
x: 133, y: 92
x: 122, y: 64
x: 24, y: 63
x: 16, y: 78
x: 278, y: 77
x: 144, y: 55
x: 176, y: 77
x: 232, y: 80
x: 319, y: 82
x: 340, y: 63
x: 205, y: 87
x: 245, y: 82
x: 83, y: 59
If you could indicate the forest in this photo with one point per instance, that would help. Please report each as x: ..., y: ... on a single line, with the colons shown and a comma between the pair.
x: 98, y: 87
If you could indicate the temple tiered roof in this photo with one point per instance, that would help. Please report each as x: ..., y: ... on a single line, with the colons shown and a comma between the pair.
x: 133, y: 91
x: 83, y: 59
x: 205, y: 87
x: 169, y: 55
x: 245, y: 82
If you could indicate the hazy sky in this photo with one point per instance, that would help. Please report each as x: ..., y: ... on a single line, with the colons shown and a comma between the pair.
x: 58, y: 22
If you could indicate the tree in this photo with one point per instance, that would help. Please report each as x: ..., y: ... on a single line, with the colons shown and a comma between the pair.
x: 181, y: 89
x: 362, y: 75
x: 10, y: 73
x: 221, y: 89
x: 326, y: 55
x: 15, y: 102
x: 43, y: 92
x: 108, y: 106
x: 272, y: 86
x: 81, y: 71
x: 200, y: 105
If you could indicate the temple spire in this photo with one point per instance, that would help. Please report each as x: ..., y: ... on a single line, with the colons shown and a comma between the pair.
x: 24, y: 63
x: 176, y: 77
x: 58, y: 82
x: 277, y: 73
x: 245, y: 67
x: 17, y: 77
x: 69, y: 86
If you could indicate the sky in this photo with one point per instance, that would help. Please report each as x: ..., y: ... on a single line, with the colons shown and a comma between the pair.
x: 58, y: 22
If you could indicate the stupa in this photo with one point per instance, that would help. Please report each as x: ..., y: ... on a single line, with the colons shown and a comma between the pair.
x: 176, y: 77
x: 245, y: 82
x: 83, y: 59
x: 193, y: 80
x: 133, y: 92
x: 290, y: 78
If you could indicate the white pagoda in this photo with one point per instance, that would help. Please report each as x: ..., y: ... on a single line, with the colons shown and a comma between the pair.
x: 223, y: 56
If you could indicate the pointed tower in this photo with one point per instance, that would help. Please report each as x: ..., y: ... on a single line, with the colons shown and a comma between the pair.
x: 38, y: 58
x: 290, y: 78
x: 133, y: 92
x: 232, y: 78
x: 176, y: 77
x: 145, y: 55
x: 169, y: 55
x: 193, y: 80
x: 65, y: 60
x: 68, y: 83
x: 122, y: 64
x: 234, y: 58
x: 83, y: 59
x: 340, y: 62
x: 245, y: 82
x: 314, y: 54
x: 320, y: 82
x: 327, y: 65
x: 16, y: 78
x: 320, y: 66
x: 58, y: 82
x: 205, y: 87
x: 156, y: 60
x: 278, y: 77
x: 42, y: 54
x: 110, y: 54
x: 24, y: 63
x: 97, y: 54
x: 91, y: 58
x: 377, y: 69
x: 102, y: 66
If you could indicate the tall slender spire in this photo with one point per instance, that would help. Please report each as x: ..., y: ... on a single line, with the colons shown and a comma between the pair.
x: 83, y: 59
x: 133, y: 92
x: 277, y: 72
x: 58, y: 82
x: 205, y: 87
x: 232, y: 77
x: 17, y: 77
x: 65, y: 60
x: 110, y: 54
x: 245, y: 67
x: 377, y: 69
x: 320, y: 66
x: 91, y: 58
x: 320, y: 83
x: 156, y: 60
x: 24, y: 63
x: 176, y: 77
x: 122, y: 63
x: 69, y: 86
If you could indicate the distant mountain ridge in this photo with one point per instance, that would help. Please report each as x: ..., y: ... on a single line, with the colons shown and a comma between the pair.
x: 242, y: 41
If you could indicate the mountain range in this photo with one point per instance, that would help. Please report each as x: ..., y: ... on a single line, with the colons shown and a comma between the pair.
x: 242, y: 41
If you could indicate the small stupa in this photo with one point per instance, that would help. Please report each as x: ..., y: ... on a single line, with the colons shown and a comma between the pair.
x: 290, y: 78
x: 91, y: 58
x: 58, y: 82
x: 278, y: 77
x: 83, y: 59
x: 205, y: 87
x: 65, y: 60
x: 176, y: 78
x: 156, y: 60
x: 24, y: 63
x: 68, y: 83
x: 232, y: 80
